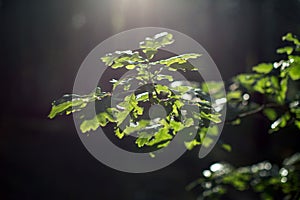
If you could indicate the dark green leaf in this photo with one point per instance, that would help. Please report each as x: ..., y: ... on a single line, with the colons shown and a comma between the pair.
x: 270, y: 113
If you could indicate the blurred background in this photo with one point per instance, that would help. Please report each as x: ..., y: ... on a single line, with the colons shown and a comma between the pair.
x: 43, y: 44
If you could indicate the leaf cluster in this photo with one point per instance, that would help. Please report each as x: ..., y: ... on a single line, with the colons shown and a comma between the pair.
x: 187, y: 107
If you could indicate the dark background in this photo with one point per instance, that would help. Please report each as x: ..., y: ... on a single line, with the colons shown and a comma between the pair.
x: 42, y: 45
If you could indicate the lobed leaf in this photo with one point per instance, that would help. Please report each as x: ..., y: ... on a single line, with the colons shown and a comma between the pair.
x: 180, y: 62
x: 120, y: 59
x: 151, y: 45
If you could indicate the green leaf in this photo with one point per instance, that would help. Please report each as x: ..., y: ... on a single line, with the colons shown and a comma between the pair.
x: 142, y: 97
x: 182, y: 89
x: 129, y: 105
x: 210, y: 116
x: 213, y: 130
x: 247, y: 80
x: 119, y: 134
x: 163, y: 76
x: 124, y: 82
x: 160, y: 136
x: 227, y: 147
x: 176, y: 126
x: 162, y: 145
x: 270, y: 113
x: 130, y: 67
x: 57, y: 109
x: 70, y: 103
x: 121, y: 116
x: 281, y: 122
x: 122, y: 58
x: 88, y: 125
x: 162, y: 89
x: 263, y: 68
x: 289, y: 37
x: 189, y: 122
x: 288, y: 50
x: 143, y: 139
x: 283, y: 90
x: 207, y: 142
x: 105, y: 117
x: 180, y: 62
x: 294, y: 72
x: 212, y: 87
x: 140, y: 125
x: 150, y: 45
x: 261, y: 85
x: 236, y: 121
x: 234, y: 95
x: 191, y: 144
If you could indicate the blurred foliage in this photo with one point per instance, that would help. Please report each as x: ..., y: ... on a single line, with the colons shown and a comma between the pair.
x: 272, y: 89
x: 265, y: 178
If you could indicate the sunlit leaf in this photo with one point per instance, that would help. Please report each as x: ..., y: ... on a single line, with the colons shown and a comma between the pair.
x: 70, y: 103
x: 234, y: 95
x: 89, y: 124
x: 213, y: 130
x: 119, y: 134
x: 263, y: 68
x: 191, y: 144
x: 281, y: 122
x: 176, y: 126
x: 207, y: 142
x: 291, y: 38
x: 288, y: 50
x: 122, y: 58
x: 160, y: 136
x: 138, y: 126
x: 143, y: 139
x: 150, y: 45
x: 180, y: 62
x: 284, y: 87
x: 163, y: 76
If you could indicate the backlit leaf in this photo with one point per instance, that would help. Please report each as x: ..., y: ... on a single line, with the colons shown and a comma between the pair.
x: 263, y: 68
x: 150, y: 45
x: 89, y: 124
x: 191, y: 144
x: 288, y: 50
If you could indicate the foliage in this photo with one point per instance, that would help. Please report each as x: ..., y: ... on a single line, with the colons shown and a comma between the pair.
x: 277, y: 86
x: 130, y: 115
x: 264, y: 178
